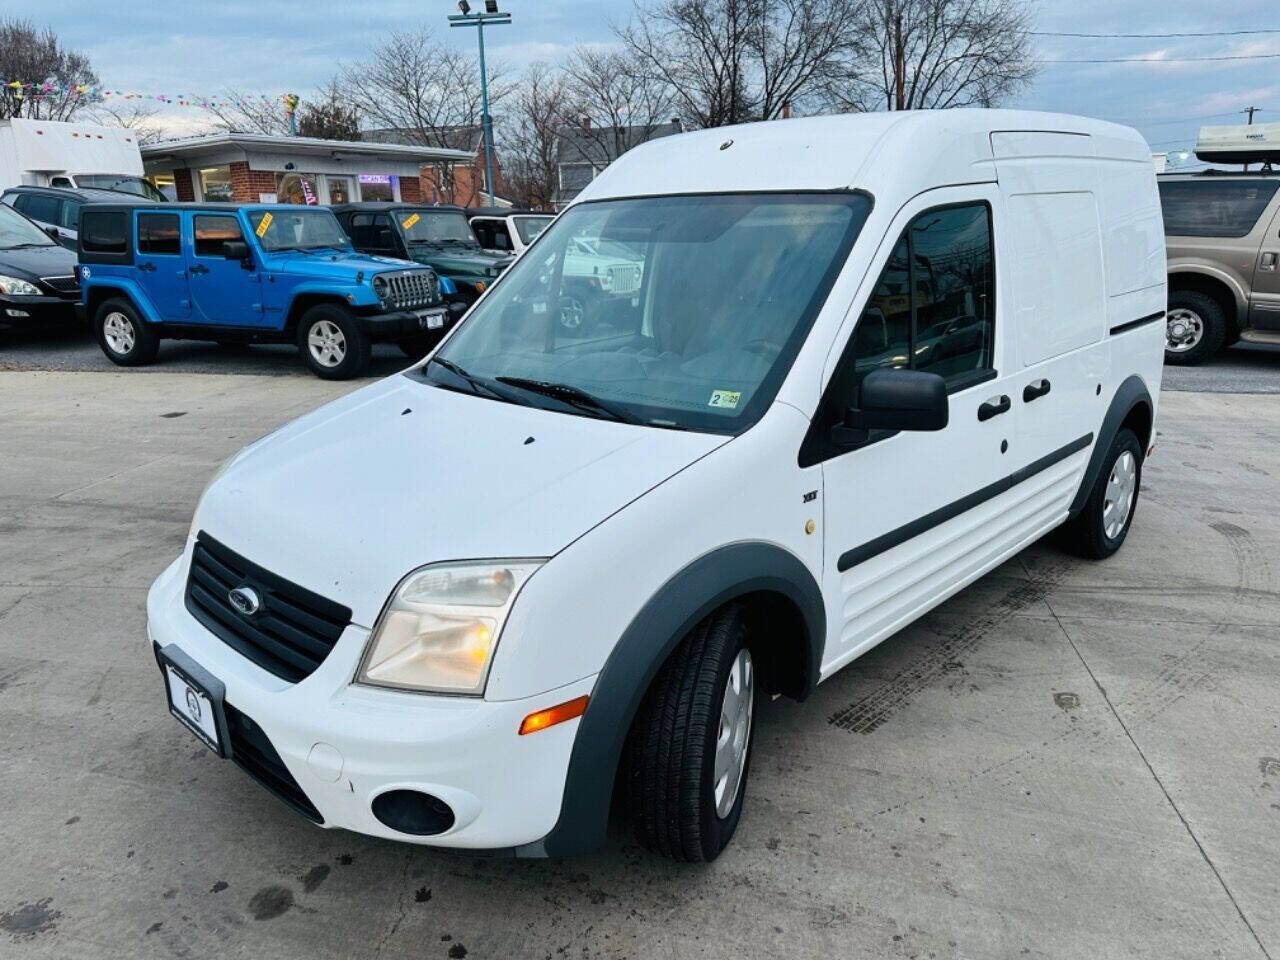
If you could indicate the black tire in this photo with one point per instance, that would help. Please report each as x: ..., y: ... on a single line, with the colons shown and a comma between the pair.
x: 1087, y: 535
x: 1202, y: 308
x: 124, y: 337
x: 671, y: 748
x: 348, y: 352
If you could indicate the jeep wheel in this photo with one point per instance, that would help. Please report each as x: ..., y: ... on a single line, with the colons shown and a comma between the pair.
x: 1100, y: 528
x: 689, y: 749
x: 333, y: 345
x: 1195, y: 328
x: 123, y: 336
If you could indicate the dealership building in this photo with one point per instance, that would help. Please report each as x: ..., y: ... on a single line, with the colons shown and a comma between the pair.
x: 259, y: 168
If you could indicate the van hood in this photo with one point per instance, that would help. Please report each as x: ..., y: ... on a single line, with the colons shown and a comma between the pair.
x: 350, y: 498
x: 333, y: 264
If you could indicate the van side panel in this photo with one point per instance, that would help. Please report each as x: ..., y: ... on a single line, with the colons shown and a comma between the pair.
x: 1058, y: 287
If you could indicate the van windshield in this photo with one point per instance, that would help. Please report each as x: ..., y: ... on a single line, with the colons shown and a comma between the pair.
x: 681, y: 312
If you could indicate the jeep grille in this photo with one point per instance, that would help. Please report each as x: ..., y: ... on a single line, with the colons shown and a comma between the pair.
x: 410, y: 289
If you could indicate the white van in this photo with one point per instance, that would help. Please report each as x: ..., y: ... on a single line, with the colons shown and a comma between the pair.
x: 870, y: 358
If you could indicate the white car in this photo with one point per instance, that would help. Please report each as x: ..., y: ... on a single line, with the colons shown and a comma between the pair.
x: 874, y: 357
x: 508, y: 231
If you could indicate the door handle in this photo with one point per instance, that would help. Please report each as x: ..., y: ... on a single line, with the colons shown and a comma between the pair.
x: 1268, y: 262
x: 197, y: 268
x: 1034, y: 391
x: 994, y: 407
x: 147, y: 266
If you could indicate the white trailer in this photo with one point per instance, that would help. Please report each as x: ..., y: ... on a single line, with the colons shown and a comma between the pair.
x: 60, y: 154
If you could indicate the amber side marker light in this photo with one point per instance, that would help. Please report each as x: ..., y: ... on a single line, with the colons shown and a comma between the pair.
x: 553, y: 715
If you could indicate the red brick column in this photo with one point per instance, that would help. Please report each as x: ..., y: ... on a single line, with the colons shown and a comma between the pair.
x: 410, y: 190
x: 246, y: 184
x: 182, y: 185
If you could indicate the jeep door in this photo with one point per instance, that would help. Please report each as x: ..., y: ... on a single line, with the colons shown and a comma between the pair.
x: 910, y: 517
x: 161, y: 264
x: 224, y: 292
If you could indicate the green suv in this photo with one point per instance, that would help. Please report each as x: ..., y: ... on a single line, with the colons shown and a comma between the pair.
x: 439, y: 237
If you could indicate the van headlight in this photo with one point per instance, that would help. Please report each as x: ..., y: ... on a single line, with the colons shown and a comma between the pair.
x: 441, y: 626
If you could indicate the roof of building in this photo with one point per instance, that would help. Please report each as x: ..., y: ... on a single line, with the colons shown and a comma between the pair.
x: 465, y: 137
x: 300, y: 146
x: 599, y: 145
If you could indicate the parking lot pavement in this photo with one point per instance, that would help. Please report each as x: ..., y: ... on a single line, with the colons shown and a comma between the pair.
x: 1065, y: 760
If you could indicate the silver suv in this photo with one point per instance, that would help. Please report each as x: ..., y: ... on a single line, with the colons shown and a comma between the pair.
x: 1223, y: 239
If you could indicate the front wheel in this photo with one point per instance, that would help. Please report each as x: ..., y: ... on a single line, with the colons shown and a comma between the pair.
x: 1195, y: 328
x: 123, y: 335
x: 689, y: 749
x: 332, y: 343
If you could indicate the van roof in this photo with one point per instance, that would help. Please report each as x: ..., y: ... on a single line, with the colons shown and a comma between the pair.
x: 903, y: 153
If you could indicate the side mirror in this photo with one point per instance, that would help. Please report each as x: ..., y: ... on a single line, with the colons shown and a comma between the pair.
x: 895, y: 400
x: 235, y: 250
x: 54, y: 232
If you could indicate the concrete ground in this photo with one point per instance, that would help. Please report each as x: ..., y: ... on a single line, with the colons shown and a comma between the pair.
x: 1067, y: 760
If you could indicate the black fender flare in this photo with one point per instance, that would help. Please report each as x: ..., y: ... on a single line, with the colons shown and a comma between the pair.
x: 707, y: 583
x: 1130, y: 394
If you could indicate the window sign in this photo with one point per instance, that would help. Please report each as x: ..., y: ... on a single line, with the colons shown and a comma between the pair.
x: 215, y: 184
x: 377, y: 187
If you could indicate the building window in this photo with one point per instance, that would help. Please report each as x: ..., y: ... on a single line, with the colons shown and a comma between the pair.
x: 164, y: 183
x: 339, y: 189
x: 297, y: 188
x: 575, y: 177
x: 377, y: 187
x: 215, y: 184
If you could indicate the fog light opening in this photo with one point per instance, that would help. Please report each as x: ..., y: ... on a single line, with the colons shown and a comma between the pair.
x: 413, y: 812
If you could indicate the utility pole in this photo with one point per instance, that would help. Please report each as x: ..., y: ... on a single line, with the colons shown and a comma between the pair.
x: 899, y: 66
x: 492, y: 17
x: 1250, y: 111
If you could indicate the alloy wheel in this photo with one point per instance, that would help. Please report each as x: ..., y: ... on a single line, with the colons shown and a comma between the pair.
x: 327, y: 344
x: 117, y: 330
x: 1184, y: 329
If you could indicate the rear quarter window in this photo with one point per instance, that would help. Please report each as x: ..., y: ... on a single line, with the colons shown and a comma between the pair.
x: 1214, y: 208
x: 105, y: 233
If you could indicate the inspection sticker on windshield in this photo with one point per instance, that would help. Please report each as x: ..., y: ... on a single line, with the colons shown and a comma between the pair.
x: 411, y: 220
x: 264, y: 224
x: 725, y: 399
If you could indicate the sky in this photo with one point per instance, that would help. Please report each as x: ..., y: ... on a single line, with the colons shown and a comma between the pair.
x: 272, y: 46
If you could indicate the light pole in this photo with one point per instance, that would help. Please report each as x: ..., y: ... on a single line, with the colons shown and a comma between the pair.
x: 492, y: 17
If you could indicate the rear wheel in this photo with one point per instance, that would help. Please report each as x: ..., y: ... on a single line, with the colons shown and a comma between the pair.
x: 689, y: 750
x: 124, y: 337
x: 332, y: 343
x: 1195, y: 327
x: 1100, y: 528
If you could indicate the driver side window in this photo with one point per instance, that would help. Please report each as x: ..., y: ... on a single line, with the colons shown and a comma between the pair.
x: 932, y: 309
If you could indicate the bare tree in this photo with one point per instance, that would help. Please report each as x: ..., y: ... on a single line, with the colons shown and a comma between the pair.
x: 238, y: 112
x: 140, y: 118
x: 419, y: 88
x: 32, y: 56
x: 328, y: 116
x: 730, y: 61
x: 932, y: 54
x: 613, y: 101
x: 531, y: 134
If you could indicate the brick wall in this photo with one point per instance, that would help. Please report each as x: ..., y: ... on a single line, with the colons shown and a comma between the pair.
x: 247, y: 184
x: 410, y: 190
x: 183, y: 186
x: 460, y: 183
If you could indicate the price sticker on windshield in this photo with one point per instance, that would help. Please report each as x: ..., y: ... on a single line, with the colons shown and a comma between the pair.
x: 725, y: 399
x: 412, y: 219
x: 263, y: 225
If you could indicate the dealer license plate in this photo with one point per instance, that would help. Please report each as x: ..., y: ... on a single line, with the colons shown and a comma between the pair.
x: 193, y: 705
x: 431, y: 319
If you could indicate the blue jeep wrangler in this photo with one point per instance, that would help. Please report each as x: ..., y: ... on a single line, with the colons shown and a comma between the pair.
x: 270, y: 273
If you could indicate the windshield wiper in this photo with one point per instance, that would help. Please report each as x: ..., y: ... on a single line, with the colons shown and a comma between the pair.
x: 477, y: 384
x: 573, y: 396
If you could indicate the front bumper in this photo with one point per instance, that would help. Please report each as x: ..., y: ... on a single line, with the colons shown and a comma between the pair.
x: 345, y: 744
x: 402, y: 324
x: 37, y: 311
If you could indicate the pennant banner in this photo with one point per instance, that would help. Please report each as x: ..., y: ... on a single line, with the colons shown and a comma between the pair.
x: 22, y: 90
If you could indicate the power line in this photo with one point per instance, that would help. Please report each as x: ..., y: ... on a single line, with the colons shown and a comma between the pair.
x: 1151, y: 36
x: 1254, y: 56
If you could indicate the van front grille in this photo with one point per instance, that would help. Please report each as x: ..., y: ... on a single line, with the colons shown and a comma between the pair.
x: 252, y: 751
x: 290, y: 633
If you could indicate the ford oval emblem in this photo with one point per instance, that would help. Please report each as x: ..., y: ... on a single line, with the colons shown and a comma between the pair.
x: 245, y: 600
